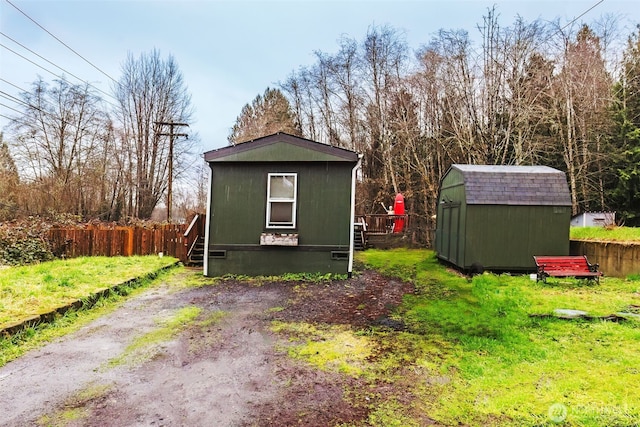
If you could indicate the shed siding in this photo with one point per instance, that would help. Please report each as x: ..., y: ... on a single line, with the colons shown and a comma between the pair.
x: 507, y: 237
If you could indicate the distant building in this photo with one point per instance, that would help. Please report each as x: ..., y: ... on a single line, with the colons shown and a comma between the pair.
x: 594, y: 219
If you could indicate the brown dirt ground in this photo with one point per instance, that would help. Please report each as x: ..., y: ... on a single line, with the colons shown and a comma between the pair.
x: 232, y: 372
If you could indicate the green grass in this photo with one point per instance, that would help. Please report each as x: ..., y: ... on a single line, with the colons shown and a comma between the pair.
x: 335, y: 348
x: 27, y: 291
x: 286, y: 277
x: 617, y: 234
x: 479, y: 357
x: 12, y: 347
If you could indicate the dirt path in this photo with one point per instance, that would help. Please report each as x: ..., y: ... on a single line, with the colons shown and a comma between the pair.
x: 231, y: 372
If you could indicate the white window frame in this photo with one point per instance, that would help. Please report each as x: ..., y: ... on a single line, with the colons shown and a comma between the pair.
x: 294, y: 201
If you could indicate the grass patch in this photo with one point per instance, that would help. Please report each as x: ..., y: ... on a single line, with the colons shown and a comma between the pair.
x: 332, y: 348
x: 287, y: 277
x: 480, y: 358
x: 196, y: 280
x: 390, y: 414
x: 615, y: 234
x: 143, y: 348
x: 12, y: 347
x: 28, y: 291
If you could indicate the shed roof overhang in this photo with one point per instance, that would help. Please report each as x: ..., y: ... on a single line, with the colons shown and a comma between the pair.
x: 281, y: 147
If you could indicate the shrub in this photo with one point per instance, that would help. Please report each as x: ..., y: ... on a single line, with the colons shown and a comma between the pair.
x: 23, y: 242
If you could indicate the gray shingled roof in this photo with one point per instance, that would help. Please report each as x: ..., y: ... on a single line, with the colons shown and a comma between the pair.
x: 514, y: 185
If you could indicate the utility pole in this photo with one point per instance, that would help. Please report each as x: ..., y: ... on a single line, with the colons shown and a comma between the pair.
x: 171, y: 136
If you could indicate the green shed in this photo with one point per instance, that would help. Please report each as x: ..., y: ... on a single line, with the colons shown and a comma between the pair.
x: 280, y: 204
x: 499, y: 217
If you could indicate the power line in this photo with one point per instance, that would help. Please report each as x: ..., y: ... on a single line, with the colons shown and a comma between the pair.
x: 11, y: 84
x: 6, y: 117
x: 11, y: 97
x: 50, y: 62
x: 28, y: 60
x: 26, y: 104
x: 55, y: 65
x: 56, y: 75
x: 579, y: 16
x: 10, y: 108
x: 573, y: 21
x: 5, y: 95
x: 61, y: 42
x: 13, y: 119
x: 39, y: 109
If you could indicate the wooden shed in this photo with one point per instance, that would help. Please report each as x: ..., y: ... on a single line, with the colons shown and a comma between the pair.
x: 499, y: 217
x: 280, y: 204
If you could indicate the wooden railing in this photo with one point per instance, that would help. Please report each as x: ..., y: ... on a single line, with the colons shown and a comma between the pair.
x: 383, y: 223
x: 194, y: 233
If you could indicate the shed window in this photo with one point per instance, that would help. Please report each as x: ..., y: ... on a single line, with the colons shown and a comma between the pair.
x: 281, y: 200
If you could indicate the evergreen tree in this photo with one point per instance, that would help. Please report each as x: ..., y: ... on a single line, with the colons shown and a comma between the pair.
x: 625, y: 195
x: 267, y: 114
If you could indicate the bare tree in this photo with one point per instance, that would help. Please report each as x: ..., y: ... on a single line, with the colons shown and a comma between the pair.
x: 582, y: 96
x: 457, y: 78
x: 327, y: 97
x: 59, y: 139
x: 324, y: 96
x: 191, y: 197
x: 9, y: 182
x: 344, y: 69
x: 299, y: 88
x: 150, y: 92
x: 384, y: 54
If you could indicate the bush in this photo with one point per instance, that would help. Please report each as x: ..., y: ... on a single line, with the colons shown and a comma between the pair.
x: 23, y: 242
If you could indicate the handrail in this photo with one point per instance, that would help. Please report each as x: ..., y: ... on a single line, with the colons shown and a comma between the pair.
x: 193, y: 245
x: 193, y: 233
x: 194, y: 221
x: 363, y: 222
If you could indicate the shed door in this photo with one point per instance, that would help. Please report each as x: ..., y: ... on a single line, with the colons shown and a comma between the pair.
x: 453, y: 233
x: 450, y: 227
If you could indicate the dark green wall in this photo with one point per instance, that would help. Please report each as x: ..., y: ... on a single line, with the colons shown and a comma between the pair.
x: 507, y: 237
x: 277, y: 261
x: 238, y: 215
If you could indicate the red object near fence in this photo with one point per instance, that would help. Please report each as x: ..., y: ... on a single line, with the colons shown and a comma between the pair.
x: 398, y: 209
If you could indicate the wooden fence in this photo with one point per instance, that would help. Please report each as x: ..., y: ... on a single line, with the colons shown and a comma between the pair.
x: 119, y: 241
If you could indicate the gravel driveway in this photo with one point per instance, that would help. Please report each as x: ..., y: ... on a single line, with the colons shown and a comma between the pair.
x: 229, y: 372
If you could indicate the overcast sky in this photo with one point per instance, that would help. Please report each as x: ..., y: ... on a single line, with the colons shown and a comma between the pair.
x: 231, y: 51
